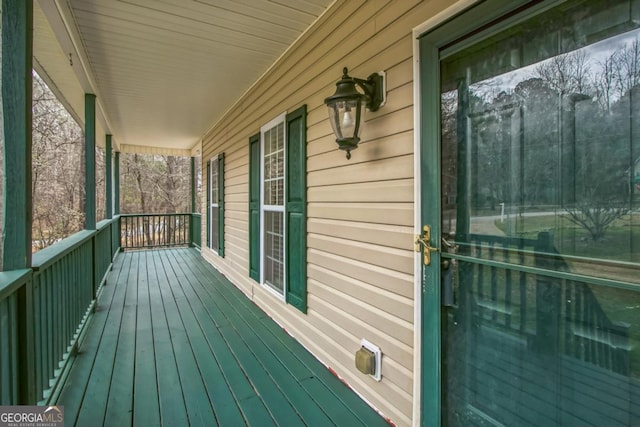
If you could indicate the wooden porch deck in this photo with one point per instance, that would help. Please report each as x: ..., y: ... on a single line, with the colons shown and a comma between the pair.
x: 174, y: 343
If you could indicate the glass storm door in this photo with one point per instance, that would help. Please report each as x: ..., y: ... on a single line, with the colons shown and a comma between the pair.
x: 531, y: 187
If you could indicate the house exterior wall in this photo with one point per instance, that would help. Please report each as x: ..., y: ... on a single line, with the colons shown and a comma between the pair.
x: 360, y: 212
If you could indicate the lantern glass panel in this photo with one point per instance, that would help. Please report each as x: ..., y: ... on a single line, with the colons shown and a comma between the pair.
x: 344, y: 117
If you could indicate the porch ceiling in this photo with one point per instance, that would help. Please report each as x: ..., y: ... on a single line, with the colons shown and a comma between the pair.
x: 165, y: 71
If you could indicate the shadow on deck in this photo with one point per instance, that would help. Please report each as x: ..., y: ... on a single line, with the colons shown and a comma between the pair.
x: 174, y: 343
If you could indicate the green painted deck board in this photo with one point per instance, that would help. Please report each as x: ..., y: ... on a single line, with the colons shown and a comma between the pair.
x: 175, y: 343
x: 120, y: 403
x: 146, y: 407
x: 199, y: 408
x: 220, y: 396
x: 246, y: 343
x: 96, y: 395
x: 297, y: 358
x: 272, y: 391
x: 171, y: 399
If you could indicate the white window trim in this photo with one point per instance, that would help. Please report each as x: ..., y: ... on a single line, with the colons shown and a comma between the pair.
x: 282, y: 118
x: 212, y: 161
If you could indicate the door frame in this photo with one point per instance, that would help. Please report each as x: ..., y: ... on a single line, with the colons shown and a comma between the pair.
x: 446, y: 26
x: 418, y: 336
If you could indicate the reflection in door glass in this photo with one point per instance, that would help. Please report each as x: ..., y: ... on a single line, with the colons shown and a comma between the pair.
x: 541, y: 193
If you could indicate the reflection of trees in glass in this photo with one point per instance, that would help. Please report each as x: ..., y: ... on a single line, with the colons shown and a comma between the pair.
x: 562, y: 132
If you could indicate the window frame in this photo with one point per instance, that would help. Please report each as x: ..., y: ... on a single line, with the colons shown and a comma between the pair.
x: 280, y: 120
x: 216, y: 162
x: 213, y: 163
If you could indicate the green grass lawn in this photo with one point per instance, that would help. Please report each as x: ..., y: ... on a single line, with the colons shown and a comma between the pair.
x: 620, y: 243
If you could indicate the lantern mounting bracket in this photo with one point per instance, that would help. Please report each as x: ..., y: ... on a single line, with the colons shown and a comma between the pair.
x: 373, y: 87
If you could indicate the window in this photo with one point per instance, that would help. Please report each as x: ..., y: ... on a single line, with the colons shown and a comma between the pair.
x: 215, y: 204
x: 272, y: 137
x: 277, y: 207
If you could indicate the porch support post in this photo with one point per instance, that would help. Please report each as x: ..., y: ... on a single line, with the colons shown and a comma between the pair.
x: 17, y: 63
x: 192, y: 228
x: 17, y: 54
x: 116, y: 183
x: 90, y: 161
x: 108, y: 178
x: 193, y: 184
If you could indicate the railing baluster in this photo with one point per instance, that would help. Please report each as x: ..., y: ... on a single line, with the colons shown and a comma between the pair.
x: 159, y: 230
x: 51, y: 307
x: 494, y: 282
x: 8, y: 351
x: 508, y: 291
x: 568, y: 316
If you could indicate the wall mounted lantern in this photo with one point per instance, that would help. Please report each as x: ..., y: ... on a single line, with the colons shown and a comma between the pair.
x: 347, y: 104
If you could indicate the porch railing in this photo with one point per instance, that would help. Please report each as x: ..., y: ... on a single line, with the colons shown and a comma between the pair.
x: 139, y: 231
x: 15, y: 324
x: 44, y: 310
x: 559, y: 314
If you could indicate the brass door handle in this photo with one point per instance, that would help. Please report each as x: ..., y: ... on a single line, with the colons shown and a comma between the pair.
x: 424, y: 240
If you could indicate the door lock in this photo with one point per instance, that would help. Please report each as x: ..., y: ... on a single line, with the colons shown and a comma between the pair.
x: 424, y: 240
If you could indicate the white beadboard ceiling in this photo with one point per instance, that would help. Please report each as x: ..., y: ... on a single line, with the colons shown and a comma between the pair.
x: 165, y: 71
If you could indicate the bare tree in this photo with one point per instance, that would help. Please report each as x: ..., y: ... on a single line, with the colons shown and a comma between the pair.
x: 626, y: 63
x: 57, y: 179
x: 601, y: 178
x: 605, y: 83
x: 100, y: 184
x: 156, y: 184
x: 567, y: 73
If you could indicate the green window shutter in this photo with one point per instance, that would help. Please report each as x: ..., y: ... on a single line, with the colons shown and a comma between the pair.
x: 296, y: 206
x: 208, y: 204
x: 221, y: 204
x: 254, y: 207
